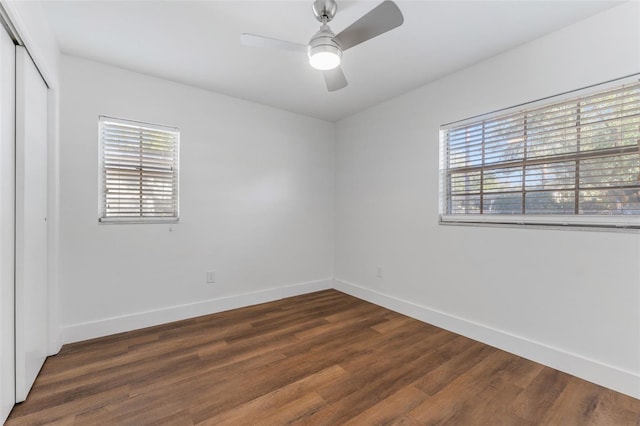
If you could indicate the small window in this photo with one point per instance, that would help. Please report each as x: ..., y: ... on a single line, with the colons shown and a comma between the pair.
x: 139, y: 171
x: 570, y: 162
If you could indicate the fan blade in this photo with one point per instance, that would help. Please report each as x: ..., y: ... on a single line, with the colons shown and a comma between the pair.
x: 253, y: 40
x: 384, y: 17
x: 335, y: 79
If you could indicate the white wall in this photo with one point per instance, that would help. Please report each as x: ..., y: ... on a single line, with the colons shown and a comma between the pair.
x: 256, y: 205
x: 570, y: 299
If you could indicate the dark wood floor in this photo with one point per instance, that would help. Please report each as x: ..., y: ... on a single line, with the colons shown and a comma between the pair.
x: 320, y: 359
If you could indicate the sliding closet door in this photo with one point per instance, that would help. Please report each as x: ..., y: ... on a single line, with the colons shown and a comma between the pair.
x: 31, y: 223
x: 7, y: 226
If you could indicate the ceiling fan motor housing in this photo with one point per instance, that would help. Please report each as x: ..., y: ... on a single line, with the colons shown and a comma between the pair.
x: 324, y: 10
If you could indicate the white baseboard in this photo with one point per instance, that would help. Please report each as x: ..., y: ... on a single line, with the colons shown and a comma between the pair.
x: 623, y: 381
x: 89, y: 330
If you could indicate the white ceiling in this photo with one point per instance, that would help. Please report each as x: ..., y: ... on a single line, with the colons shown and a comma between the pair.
x: 197, y: 43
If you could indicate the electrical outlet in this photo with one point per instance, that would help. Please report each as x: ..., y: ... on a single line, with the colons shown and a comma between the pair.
x: 379, y: 272
x: 211, y: 277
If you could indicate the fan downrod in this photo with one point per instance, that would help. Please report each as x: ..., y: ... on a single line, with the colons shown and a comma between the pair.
x: 324, y: 10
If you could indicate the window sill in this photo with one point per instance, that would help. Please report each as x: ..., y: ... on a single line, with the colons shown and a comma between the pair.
x: 623, y: 223
x: 136, y: 221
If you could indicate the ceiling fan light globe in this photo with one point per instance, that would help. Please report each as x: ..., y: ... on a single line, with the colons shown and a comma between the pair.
x: 324, y: 57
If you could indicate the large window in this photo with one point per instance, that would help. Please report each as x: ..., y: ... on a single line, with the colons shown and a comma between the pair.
x: 139, y: 171
x: 569, y: 162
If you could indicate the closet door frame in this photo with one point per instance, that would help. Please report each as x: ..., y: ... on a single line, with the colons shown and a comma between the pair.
x: 42, y: 55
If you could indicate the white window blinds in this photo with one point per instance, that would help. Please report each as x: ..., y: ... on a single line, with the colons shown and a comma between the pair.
x: 139, y: 171
x: 577, y: 159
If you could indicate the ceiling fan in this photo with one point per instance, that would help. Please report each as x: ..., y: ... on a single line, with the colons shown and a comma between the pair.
x: 325, y: 48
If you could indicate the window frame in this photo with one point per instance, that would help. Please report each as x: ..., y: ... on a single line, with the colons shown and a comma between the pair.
x: 109, y: 220
x: 625, y: 222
